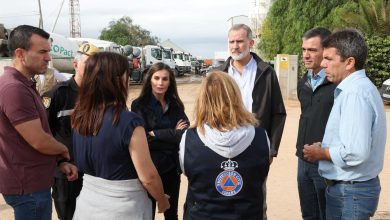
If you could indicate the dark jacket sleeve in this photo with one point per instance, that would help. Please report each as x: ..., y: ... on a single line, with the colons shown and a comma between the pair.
x: 166, y: 138
x: 278, y: 115
x: 172, y: 135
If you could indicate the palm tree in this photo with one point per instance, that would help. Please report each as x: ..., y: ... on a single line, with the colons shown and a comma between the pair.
x: 377, y: 15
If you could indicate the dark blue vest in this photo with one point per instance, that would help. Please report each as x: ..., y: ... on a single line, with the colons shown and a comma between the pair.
x: 202, y: 167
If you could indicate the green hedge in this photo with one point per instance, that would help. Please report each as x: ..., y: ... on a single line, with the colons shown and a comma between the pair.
x: 378, y: 61
x: 287, y: 20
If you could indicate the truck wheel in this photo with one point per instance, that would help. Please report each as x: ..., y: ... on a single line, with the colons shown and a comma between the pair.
x: 175, y: 72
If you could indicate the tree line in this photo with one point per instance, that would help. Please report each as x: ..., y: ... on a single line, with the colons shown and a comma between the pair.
x: 288, y: 20
x: 125, y: 32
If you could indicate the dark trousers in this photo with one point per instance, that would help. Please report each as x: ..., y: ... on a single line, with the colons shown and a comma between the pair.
x: 64, y: 195
x: 171, y: 182
x: 311, y: 188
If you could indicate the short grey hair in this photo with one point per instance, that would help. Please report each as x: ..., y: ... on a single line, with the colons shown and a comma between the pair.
x: 245, y: 27
x: 78, y: 56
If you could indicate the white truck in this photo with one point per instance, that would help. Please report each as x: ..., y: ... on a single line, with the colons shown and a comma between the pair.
x: 167, y: 55
x: 187, y: 62
x: 152, y: 54
x: 62, y: 53
x: 143, y: 58
x: 179, y: 58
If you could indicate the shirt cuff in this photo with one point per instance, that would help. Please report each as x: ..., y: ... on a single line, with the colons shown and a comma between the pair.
x: 335, y: 156
x: 155, y: 134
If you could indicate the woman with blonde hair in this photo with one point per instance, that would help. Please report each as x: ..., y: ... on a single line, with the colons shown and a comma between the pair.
x: 110, y: 147
x: 223, y: 155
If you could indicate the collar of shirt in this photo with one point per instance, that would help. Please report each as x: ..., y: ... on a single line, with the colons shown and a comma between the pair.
x: 348, y: 81
x: 19, y: 76
x: 157, y: 107
x: 245, y: 81
x: 316, y: 80
x: 73, y: 84
x: 248, y: 68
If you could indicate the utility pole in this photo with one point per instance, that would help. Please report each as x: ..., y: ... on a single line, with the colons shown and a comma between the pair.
x: 75, y: 27
x: 40, y: 15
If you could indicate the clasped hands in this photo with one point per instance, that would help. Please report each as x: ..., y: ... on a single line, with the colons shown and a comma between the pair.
x: 315, y: 152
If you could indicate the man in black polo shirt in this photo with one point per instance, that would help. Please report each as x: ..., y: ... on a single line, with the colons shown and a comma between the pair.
x: 59, y: 103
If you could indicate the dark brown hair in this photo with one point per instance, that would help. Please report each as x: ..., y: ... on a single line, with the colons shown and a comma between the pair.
x: 349, y: 43
x: 320, y: 32
x: 102, y: 86
x: 171, y: 93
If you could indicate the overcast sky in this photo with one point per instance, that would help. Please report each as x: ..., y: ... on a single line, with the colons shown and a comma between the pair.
x: 198, y: 26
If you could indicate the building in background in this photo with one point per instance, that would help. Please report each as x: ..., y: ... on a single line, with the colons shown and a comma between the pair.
x: 258, y: 10
x: 238, y: 19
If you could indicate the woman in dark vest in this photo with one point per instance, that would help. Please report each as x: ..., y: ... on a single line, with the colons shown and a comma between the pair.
x: 165, y: 121
x: 223, y: 155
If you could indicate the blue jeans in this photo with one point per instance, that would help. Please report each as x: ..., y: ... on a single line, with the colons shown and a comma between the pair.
x: 33, y: 206
x: 356, y: 201
x: 311, y: 189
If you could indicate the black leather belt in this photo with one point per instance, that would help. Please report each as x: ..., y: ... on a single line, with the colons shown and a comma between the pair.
x: 334, y: 182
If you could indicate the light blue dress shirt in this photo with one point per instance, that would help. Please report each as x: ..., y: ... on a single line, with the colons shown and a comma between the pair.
x: 317, y: 79
x: 355, y: 132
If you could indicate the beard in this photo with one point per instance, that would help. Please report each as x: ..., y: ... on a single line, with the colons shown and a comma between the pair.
x: 241, y: 55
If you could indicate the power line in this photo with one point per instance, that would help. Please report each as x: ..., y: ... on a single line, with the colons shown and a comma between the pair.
x: 23, y: 14
x: 59, y: 12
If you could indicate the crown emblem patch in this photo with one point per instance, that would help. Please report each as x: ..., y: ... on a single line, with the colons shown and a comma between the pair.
x: 229, y: 182
x: 46, y: 102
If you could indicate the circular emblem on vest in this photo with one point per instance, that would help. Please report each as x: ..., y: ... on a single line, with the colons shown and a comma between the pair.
x: 229, y: 183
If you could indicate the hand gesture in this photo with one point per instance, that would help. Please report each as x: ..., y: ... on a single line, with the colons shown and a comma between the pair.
x: 69, y: 170
x: 181, y: 124
x: 313, y: 153
x: 163, y: 205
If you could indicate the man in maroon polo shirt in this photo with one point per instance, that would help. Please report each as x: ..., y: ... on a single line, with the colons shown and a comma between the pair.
x: 28, y: 152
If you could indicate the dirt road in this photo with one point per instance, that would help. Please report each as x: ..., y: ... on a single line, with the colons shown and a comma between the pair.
x: 282, y: 196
